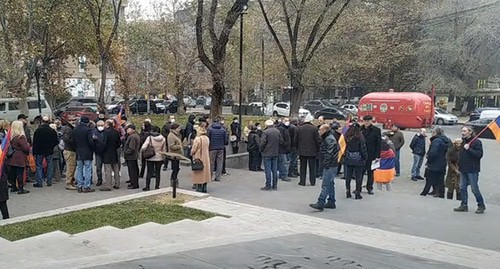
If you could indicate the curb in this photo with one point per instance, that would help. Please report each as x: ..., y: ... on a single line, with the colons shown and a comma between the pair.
x: 114, y: 200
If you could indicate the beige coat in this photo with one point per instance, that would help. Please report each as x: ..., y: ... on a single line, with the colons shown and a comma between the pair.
x: 159, y: 144
x: 200, y: 150
x: 174, y: 143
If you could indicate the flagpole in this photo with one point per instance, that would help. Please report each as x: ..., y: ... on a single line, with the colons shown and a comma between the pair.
x: 482, y: 131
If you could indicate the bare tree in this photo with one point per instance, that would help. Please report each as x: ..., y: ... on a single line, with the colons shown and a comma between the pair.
x: 218, y: 44
x: 98, y: 10
x: 300, y: 54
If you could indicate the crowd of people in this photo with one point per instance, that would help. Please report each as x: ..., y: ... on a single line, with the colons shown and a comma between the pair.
x: 70, y: 149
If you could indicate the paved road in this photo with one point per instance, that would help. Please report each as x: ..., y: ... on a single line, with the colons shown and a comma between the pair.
x: 401, y: 210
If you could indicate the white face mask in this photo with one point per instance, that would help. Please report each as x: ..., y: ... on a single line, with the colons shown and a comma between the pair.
x: 236, y: 121
x: 259, y: 128
x: 287, y: 123
x: 172, y: 120
x: 100, y: 128
x: 222, y: 122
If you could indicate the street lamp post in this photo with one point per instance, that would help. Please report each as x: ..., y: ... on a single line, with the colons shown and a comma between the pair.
x: 37, y: 77
x: 241, y: 69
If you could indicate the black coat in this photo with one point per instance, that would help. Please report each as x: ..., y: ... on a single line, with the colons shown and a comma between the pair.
x: 356, y: 153
x: 4, y: 189
x: 292, y: 130
x: 44, y: 140
x: 373, y: 139
x: 113, y: 142
x: 100, y: 142
x: 436, y: 157
x: 470, y: 160
x: 286, y: 143
x: 329, y: 151
x: 417, y: 145
x: 82, y: 134
x: 253, y: 142
x: 308, y: 140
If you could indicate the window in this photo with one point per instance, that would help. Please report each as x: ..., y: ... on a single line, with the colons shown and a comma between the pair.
x: 2, y: 106
x: 34, y: 104
x: 88, y: 109
x: 13, y: 106
x: 282, y: 106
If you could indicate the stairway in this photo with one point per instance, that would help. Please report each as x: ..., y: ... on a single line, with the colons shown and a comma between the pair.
x: 108, y: 244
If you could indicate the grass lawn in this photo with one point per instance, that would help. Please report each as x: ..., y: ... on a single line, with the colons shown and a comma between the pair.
x: 161, y: 209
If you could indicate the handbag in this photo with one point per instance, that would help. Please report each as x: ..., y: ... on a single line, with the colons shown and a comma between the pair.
x: 149, y: 151
x: 197, y: 164
x: 10, y: 151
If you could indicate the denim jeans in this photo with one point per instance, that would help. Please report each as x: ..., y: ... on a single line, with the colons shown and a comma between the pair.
x: 292, y: 169
x: 271, y: 170
x: 397, y: 163
x: 328, y: 186
x: 471, y: 179
x: 39, y: 168
x: 417, y: 164
x: 282, y: 166
x: 84, y: 173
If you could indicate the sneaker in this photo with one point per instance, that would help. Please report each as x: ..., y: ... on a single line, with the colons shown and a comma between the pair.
x: 370, y: 192
x: 397, y: 175
x: 462, y: 208
x: 49, y: 184
x: 419, y: 177
x: 70, y: 187
x: 99, y: 183
x: 266, y: 189
x: 317, y: 207
x: 358, y: 196
x: 330, y: 205
x: 414, y: 178
x: 480, y: 209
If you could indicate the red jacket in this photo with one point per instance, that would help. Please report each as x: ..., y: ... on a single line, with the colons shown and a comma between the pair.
x: 21, y: 151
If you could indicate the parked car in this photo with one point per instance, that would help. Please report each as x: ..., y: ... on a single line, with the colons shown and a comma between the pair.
x: 316, y: 105
x: 331, y: 113
x: 189, y: 101
x: 76, y: 112
x: 336, y: 100
x: 478, y: 125
x: 114, y: 104
x: 476, y: 114
x: 168, y: 106
x: 201, y: 100
x: 10, y: 109
x: 139, y: 106
x: 352, y: 109
x: 207, y: 102
x: 86, y: 101
x: 283, y: 109
x: 442, y: 117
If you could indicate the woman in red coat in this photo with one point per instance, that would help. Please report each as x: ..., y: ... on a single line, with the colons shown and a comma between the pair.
x: 17, y: 162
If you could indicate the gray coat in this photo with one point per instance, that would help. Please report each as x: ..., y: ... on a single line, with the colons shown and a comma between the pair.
x: 270, y: 142
x: 131, y: 147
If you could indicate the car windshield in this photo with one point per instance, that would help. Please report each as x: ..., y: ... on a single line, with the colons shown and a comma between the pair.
x: 441, y: 111
x: 326, y: 103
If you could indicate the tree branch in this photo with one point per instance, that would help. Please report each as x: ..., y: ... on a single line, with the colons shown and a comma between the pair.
x: 211, y: 22
x: 291, y: 36
x: 231, y: 17
x: 199, y: 39
x: 116, y: 13
x: 325, y: 33
x: 275, y: 36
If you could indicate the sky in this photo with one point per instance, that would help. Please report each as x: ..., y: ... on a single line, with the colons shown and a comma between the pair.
x: 146, y: 7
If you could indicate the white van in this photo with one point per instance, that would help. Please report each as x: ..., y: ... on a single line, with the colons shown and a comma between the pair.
x: 9, y: 109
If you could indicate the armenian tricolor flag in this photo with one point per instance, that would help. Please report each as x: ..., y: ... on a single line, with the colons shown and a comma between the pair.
x: 342, y: 142
x: 119, y: 116
x: 4, y: 147
x: 494, y: 126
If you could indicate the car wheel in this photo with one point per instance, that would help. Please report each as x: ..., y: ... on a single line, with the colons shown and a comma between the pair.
x: 275, y: 113
x: 440, y: 122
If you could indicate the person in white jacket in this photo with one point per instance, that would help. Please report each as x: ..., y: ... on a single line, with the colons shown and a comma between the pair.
x: 154, y: 163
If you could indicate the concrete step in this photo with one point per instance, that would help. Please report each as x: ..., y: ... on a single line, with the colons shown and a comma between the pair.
x: 56, y: 245
x: 4, y: 243
x: 112, y: 239
x: 145, y: 227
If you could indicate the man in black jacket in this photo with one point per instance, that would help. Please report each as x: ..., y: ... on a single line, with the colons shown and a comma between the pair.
x: 373, y: 138
x: 308, y: 142
x: 293, y: 155
x: 329, y: 151
x: 253, y: 149
x: 469, y: 165
x: 99, y: 146
x: 84, y: 140
x: 110, y: 157
x: 44, y: 141
x: 284, y: 149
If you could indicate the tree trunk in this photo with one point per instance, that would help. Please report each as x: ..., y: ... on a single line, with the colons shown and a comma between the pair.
x: 218, y: 91
x: 296, y: 93
x: 179, y: 94
x: 102, y: 90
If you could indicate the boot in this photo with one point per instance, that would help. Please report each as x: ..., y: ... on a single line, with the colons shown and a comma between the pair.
x: 348, y: 194
x: 481, y: 209
x: 317, y: 206
x: 461, y: 208
x: 449, y: 195
x: 330, y: 205
x: 204, y: 188
x: 198, y: 188
x: 459, y: 195
x: 358, y: 196
x: 99, y: 182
